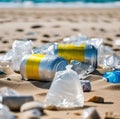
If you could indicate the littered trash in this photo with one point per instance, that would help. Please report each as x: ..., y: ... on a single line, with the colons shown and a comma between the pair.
x: 82, y: 68
x: 12, y: 99
x: 5, y: 91
x: 65, y: 91
x: 112, y: 61
x: 15, y: 102
x: 104, y: 53
x: 20, y: 48
x: 112, y: 76
x: 5, y: 112
x: 90, y: 113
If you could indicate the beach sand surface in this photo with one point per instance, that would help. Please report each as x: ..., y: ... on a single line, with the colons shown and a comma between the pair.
x: 52, y: 25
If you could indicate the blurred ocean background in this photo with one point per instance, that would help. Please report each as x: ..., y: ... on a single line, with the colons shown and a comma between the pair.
x: 60, y: 3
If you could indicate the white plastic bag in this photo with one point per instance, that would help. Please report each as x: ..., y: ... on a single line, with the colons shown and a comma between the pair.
x: 65, y: 91
x: 19, y: 49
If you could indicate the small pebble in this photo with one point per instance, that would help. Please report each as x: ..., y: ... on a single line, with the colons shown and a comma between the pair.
x: 46, y: 36
x: 30, y: 33
x: 19, y: 30
x: 8, y: 79
x: 31, y: 114
x: 32, y: 105
x: 96, y: 99
x: 51, y: 107
x: 90, y: 113
x: 77, y: 113
x: 36, y: 26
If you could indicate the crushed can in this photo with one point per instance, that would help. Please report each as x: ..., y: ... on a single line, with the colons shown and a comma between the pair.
x: 41, y: 67
x: 83, y: 53
x: 86, y: 85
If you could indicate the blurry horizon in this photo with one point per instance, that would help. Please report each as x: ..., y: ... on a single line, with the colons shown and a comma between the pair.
x: 60, y: 3
x: 49, y: 1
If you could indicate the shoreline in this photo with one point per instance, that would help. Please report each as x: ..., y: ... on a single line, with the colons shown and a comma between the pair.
x: 29, y: 4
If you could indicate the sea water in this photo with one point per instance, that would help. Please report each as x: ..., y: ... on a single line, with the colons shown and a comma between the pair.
x: 60, y: 3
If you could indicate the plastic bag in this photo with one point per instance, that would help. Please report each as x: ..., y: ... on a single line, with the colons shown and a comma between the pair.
x: 5, y: 91
x: 19, y: 49
x: 65, y: 91
x: 5, y: 112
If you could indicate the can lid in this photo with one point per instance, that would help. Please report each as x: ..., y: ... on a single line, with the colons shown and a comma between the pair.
x: 60, y: 64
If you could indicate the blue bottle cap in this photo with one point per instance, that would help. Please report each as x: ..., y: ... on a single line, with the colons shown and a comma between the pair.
x: 112, y: 76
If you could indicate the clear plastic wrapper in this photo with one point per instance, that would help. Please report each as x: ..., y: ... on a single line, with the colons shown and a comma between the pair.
x: 103, y: 55
x: 42, y: 49
x: 5, y: 91
x: 82, y: 68
x: 65, y: 91
x: 82, y: 39
x: 112, y: 61
x: 5, y: 112
x: 19, y: 49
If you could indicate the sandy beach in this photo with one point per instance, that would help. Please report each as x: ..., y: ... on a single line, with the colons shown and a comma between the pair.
x: 52, y: 25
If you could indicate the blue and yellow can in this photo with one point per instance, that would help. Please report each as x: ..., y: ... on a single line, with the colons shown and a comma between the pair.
x: 41, y: 67
x: 83, y: 53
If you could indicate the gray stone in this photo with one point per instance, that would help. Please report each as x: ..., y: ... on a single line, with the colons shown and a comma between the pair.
x: 31, y: 114
x: 15, y: 102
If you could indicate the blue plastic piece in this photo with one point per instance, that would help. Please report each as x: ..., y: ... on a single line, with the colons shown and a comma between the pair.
x: 112, y: 76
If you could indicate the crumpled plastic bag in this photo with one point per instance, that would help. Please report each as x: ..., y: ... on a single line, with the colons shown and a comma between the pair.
x: 19, y: 49
x: 65, y: 91
x: 5, y: 91
x: 5, y: 112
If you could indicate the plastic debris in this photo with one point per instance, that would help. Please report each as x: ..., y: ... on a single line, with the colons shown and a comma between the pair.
x: 20, y: 48
x: 5, y: 91
x: 112, y: 61
x: 65, y: 91
x: 96, y: 99
x: 90, y: 113
x: 112, y: 76
x: 104, y: 53
x: 82, y: 39
x: 42, y: 49
x: 82, y: 68
x: 5, y: 112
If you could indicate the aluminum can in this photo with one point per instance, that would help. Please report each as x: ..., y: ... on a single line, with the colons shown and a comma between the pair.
x: 41, y: 67
x: 86, y: 85
x: 83, y: 53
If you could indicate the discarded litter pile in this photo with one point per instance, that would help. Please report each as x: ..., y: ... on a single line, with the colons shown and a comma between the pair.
x: 67, y: 63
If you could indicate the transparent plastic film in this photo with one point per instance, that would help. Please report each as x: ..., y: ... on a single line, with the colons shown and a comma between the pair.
x: 32, y: 66
x: 71, y: 51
